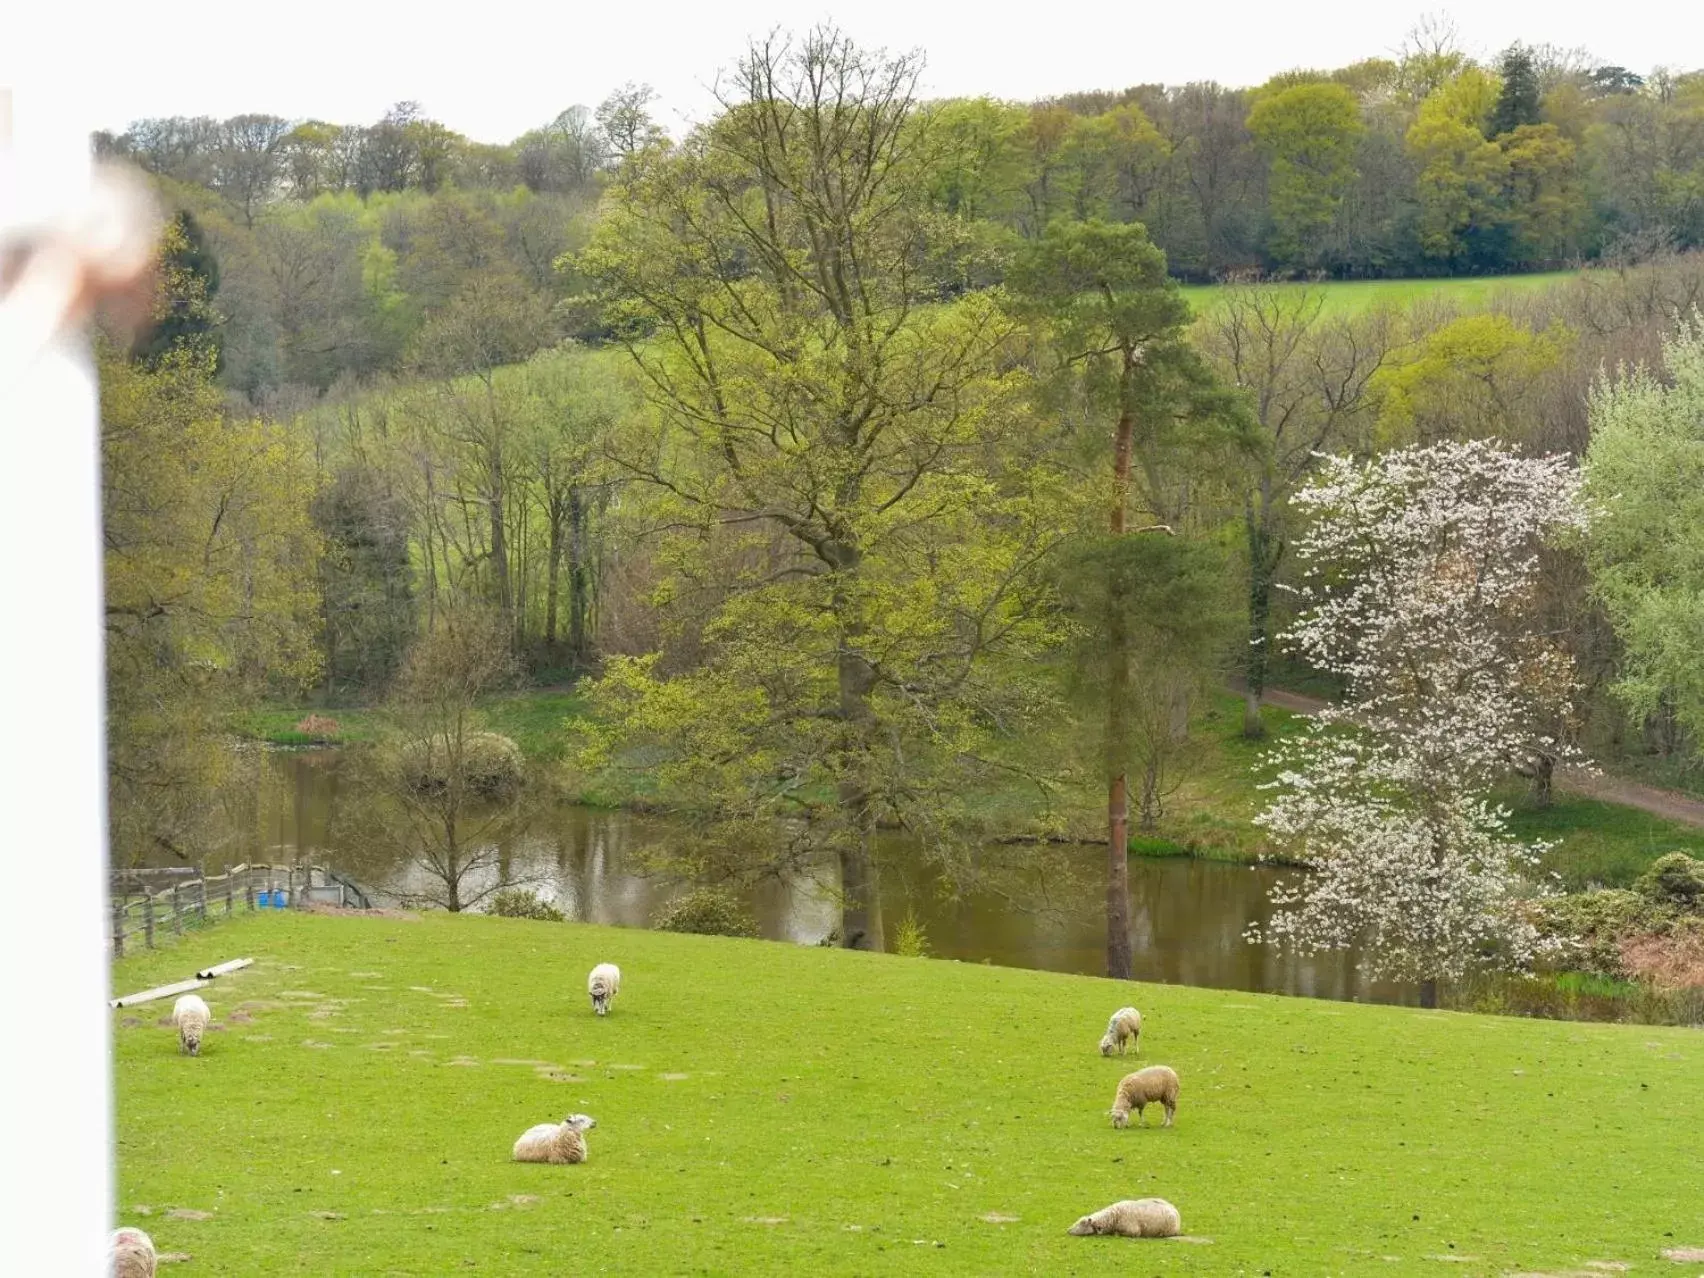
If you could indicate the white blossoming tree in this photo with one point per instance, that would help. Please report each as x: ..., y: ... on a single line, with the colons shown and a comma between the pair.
x: 1419, y: 590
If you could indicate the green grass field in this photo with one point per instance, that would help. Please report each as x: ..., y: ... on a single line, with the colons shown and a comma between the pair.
x: 771, y: 1109
x: 1468, y: 292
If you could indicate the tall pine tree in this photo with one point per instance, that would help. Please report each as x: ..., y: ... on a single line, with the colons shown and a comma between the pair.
x: 1518, y: 103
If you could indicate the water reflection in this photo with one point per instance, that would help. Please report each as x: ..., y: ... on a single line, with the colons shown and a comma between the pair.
x: 1189, y: 916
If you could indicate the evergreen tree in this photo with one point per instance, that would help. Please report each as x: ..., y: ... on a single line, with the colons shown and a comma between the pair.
x: 184, y: 318
x: 1518, y: 103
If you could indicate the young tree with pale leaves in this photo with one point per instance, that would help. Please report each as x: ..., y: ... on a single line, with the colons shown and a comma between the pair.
x: 1421, y: 591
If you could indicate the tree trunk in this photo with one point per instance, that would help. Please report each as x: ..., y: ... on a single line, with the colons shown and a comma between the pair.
x: 500, y: 551
x: 552, y: 572
x: 1262, y: 567
x: 1150, y: 807
x: 1543, y: 780
x: 1119, y: 960
x: 1429, y: 993
x: 860, y: 898
x: 577, y: 576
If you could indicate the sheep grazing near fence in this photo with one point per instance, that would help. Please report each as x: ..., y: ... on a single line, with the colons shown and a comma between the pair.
x: 190, y: 1015
x: 555, y: 1143
x: 603, y: 985
x: 132, y: 1254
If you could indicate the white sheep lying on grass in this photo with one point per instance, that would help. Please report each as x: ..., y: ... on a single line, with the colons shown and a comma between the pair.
x: 557, y: 1143
x: 131, y: 1254
x: 1132, y: 1218
x: 1124, y: 1027
x: 1155, y: 1085
x: 603, y: 984
x: 190, y: 1015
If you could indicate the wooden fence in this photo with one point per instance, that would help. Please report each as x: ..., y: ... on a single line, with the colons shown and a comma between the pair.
x: 148, y: 907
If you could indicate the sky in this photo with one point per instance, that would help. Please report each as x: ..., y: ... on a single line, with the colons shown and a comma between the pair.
x: 496, y: 68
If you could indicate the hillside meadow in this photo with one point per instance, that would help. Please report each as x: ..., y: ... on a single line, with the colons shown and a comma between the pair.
x: 1347, y: 297
x: 764, y: 1108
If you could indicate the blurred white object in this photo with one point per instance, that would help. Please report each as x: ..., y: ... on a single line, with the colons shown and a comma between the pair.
x: 67, y: 237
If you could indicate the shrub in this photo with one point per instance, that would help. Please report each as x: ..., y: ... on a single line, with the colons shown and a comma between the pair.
x: 1595, y: 922
x: 518, y: 903
x: 1668, y: 961
x: 910, y: 938
x: 318, y: 727
x: 492, y: 765
x: 1676, y: 881
x: 707, y: 911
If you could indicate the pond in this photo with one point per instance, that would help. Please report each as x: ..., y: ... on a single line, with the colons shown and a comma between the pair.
x: 1189, y: 916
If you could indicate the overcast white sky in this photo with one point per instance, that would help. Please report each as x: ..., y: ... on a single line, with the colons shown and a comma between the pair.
x: 494, y: 68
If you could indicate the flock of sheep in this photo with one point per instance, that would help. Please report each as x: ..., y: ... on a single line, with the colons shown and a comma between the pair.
x: 133, y: 1254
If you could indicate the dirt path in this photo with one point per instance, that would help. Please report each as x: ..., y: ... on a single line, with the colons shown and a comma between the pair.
x: 1668, y: 804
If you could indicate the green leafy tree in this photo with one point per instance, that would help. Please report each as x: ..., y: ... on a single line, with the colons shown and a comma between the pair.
x: 209, y: 568
x: 1463, y: 180
x: 838, y: 457
x: 1117, y: 322
x: 1546, y: 201
x: 1645, y: 470
x: 1310, y: 132
x: 1472, y: 378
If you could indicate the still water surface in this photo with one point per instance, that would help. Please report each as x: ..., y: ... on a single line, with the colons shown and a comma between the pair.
x: 1189, y: 916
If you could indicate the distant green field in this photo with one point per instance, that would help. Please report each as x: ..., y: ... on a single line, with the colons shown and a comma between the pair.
x: 1358, y: 295
x: 765, y: 1108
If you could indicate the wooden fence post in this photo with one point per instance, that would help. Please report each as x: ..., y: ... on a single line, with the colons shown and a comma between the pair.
x: 177, y: 910
x: 148, y: 917
x: 201, y: 897
x: 248, y: 891
x: 228, y: 892
x: 118, y: 927
x: 290, y: 886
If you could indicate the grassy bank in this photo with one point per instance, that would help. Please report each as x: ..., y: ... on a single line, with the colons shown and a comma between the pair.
x: 1213, y: 810
x: 533, y: 718
x: 769, y: 1109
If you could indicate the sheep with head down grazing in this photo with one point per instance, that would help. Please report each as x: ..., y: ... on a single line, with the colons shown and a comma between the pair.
x: 132, y: 1254
x: 1156, y: 1085
x: 1125, y: 1027
x: 603, y: 985
x: 1132, y: 1218
x: 555, y: 1143
x: 190, y: 1015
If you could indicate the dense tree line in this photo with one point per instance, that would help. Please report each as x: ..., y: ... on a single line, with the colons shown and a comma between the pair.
x: 1423, y: 163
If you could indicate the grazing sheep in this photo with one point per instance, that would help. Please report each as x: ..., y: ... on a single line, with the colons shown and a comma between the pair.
x: 1156, y: 1084
x: 1132, y: 1218
x: 558, y: 1143
x: 190, y: 1015
x: 131, y: 1254
x: 603, y: 984
x: 1124, y: 1027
